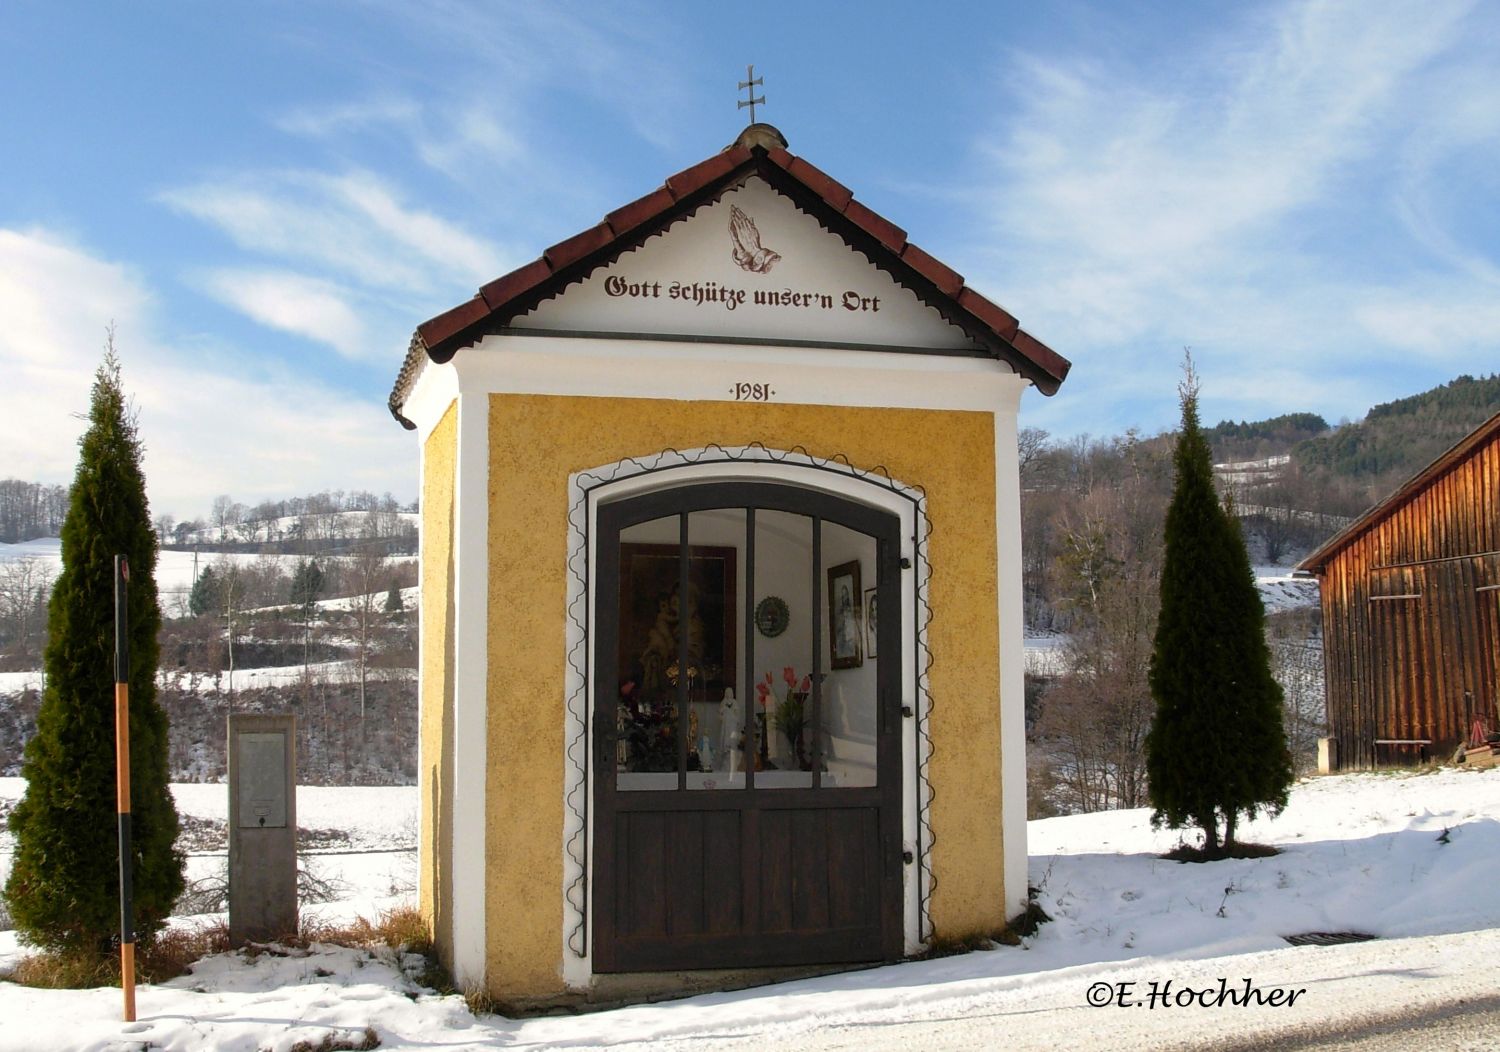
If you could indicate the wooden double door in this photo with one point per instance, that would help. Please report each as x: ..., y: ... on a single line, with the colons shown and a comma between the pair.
x: 746, y: 729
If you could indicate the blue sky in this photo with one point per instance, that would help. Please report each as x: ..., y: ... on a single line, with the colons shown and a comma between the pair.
x: 266, y: 199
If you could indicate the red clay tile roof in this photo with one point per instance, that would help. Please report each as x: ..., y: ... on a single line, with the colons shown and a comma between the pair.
x: 1317, y: 562
x: 831, y: 203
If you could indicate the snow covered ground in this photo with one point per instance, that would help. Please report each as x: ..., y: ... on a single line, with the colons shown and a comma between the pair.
x: 1279, y: 590
x: 1046, y: 655
x: 244, y: 678
x: 410, y: 597
x: 1408, y: 858
x: 174, y: 570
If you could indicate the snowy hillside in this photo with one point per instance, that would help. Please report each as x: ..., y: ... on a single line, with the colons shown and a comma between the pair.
x: 326, y: 525
x: 1279, y: 590
x: 175, y: 569
x: 1407, y: 858
x: 1251, y: 472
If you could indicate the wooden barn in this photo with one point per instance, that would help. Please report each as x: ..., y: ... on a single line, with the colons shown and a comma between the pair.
x: 1411, y: 612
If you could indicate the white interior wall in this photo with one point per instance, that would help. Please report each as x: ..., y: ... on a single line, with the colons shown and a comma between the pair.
x: 849, y: 694
x: 783, y: 567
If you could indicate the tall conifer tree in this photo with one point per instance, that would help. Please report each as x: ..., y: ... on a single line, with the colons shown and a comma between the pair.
x: 1217, y: 748
x: 63, y: 888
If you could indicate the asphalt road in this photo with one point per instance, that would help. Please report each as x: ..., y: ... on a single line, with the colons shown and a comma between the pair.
x: 1464, y: 1026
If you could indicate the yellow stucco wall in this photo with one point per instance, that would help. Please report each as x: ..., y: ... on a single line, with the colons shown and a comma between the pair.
x: 535, y: 443
x: 439, y: 464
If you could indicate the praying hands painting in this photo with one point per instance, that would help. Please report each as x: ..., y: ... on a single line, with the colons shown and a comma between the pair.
x: 748, y: 253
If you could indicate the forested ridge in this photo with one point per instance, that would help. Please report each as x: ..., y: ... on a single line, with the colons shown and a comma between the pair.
x: 1397, y: 439
x: 1257, y: 439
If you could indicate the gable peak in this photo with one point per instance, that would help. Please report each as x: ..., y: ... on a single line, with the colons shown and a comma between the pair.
x: 766, y: 136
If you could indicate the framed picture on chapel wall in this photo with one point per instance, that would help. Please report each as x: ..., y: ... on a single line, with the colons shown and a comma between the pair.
x: 845, y: 625
x: 872, y: 610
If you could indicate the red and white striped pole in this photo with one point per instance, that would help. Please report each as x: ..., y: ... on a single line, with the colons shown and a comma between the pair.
x: 122, y: 785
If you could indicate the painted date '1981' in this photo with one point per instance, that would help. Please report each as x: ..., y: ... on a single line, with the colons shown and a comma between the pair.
x: 748, y: 392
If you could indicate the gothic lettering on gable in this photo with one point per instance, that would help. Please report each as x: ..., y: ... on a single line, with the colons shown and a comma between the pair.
x: 712, y: 294
x: 749, y: 265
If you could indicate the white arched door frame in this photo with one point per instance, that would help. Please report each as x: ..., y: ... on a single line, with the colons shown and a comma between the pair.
x: 671, y: 469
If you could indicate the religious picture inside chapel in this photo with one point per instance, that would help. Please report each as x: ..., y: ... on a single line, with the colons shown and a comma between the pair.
x: 676, y: 649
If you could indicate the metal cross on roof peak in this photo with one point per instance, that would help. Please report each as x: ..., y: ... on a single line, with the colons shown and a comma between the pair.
x: 751, y: 82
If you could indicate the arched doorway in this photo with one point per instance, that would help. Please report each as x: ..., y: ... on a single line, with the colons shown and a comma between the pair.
x: 731, y: 831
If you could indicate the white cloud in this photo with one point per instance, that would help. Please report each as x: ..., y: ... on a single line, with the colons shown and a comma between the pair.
x: 625, y: 58
x: 318, y: 122
x: 1151, y: 184
x: 57, y: 302
x: 354, y: 225
x: 1440, y: 322
x: 417, y: 233
x: 268, y: 435
x: 1226, y: 204
x: 474, y: 140
x: 294, y: 303
x: 237, y: 426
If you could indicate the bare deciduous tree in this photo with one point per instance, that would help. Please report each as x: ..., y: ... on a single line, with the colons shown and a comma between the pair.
x: 1094, y: 718
x: 368, y: 574
x: 1297, y: 664
x: 232, y: 585
x: 25, y: 585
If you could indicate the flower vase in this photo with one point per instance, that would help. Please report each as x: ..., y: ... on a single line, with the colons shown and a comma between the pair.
x: 763, y: 756
x: 799, y: 747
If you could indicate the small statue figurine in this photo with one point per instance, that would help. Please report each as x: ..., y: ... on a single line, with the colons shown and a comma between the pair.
x: 731, y: 733
x: 705, y: 757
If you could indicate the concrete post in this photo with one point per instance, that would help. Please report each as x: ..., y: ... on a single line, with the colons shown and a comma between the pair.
x: 1327, y: 755
x: 262, y: 828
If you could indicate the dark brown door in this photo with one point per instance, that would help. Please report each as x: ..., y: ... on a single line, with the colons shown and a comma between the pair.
x: 747, y: 730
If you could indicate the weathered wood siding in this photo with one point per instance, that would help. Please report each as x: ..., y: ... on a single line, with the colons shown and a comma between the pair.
x: 1411, y: 610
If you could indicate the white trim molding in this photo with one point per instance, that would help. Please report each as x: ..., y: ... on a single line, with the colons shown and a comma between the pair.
x: 470, y: 698
x: 1012, y: 698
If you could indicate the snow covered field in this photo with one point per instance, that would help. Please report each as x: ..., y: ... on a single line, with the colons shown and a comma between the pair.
x: 1279, y: 590
x: 1408, y: 858
x: 174, y: 569
x: 244, y: 678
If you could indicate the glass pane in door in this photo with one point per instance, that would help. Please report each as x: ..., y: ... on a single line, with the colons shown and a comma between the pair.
x: 714, y: 621
x: 781, y: 673
x: 646, y: 744
x: 849, y: 657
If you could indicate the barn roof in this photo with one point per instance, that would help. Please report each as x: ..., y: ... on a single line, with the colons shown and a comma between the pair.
x: 1318, y: 561
x: 759, y: 151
